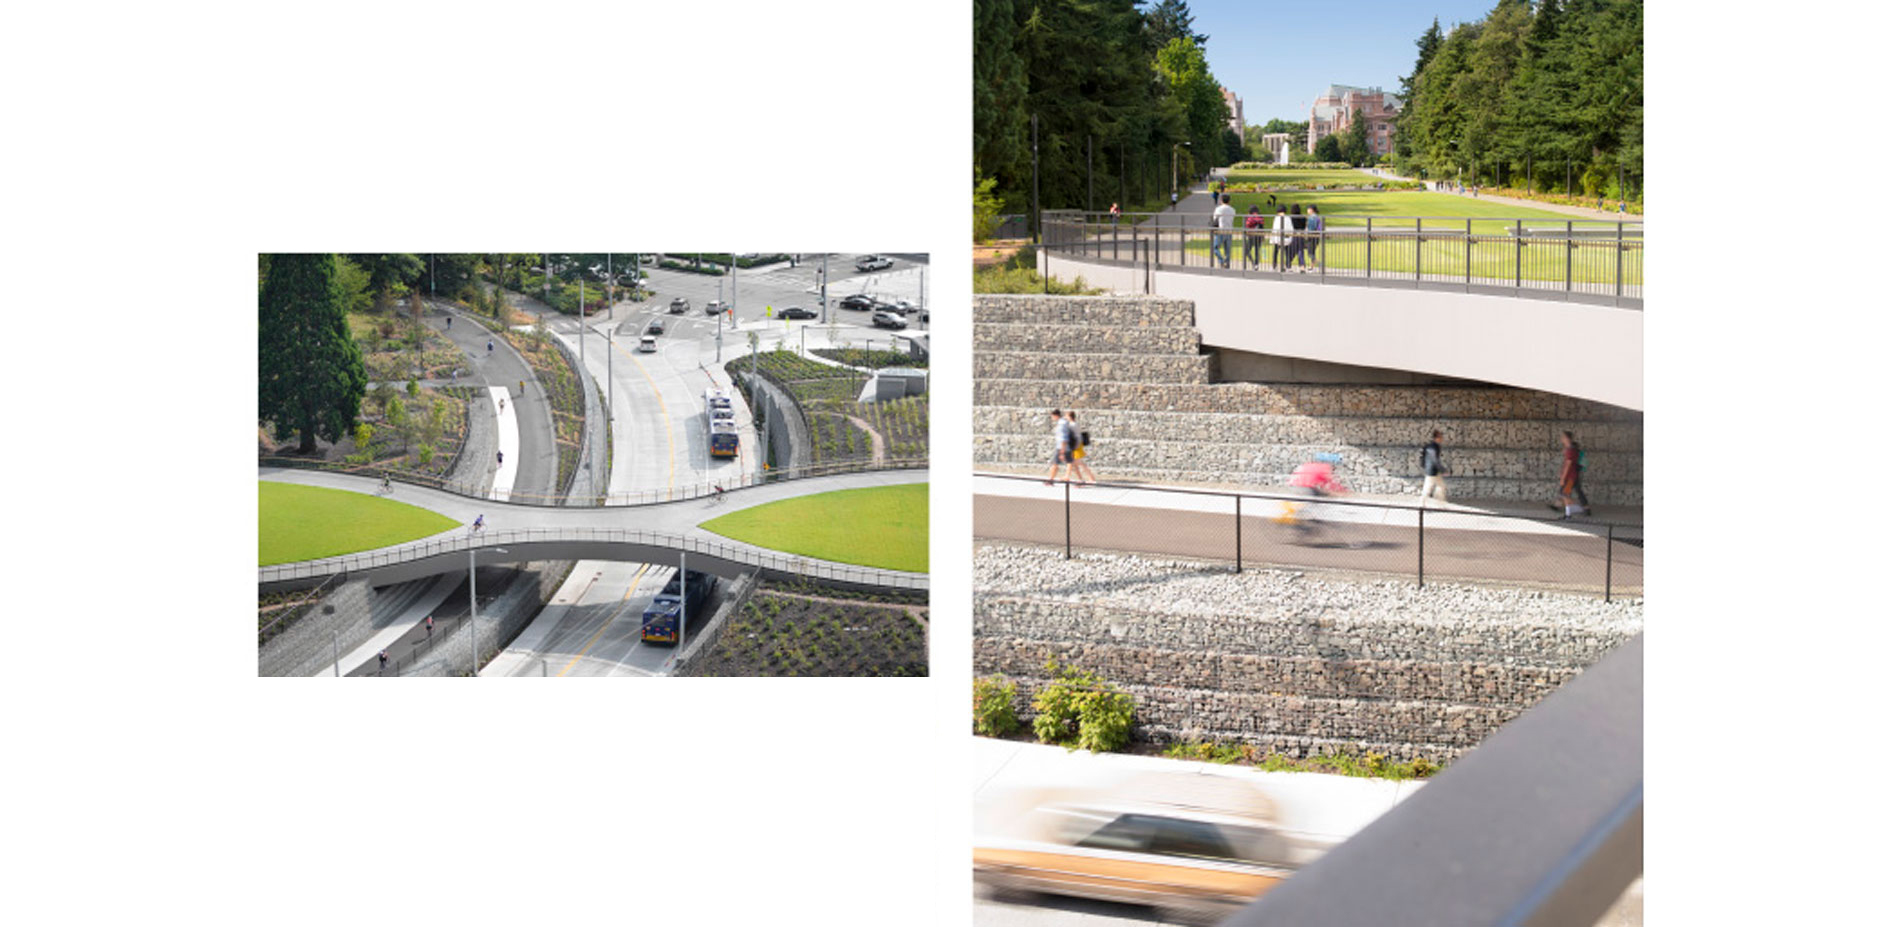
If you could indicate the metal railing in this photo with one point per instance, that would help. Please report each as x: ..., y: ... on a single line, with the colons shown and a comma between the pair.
x: 1292, y: 529
x: 787, y: 564
x: 475, y: 490
x: 1583, y: 260
x: 1541, y: 824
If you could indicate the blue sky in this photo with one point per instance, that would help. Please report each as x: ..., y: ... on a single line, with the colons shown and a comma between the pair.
x: 1279, y: 55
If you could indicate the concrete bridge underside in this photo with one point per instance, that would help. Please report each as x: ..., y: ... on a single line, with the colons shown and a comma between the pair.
x: 1573, y: 349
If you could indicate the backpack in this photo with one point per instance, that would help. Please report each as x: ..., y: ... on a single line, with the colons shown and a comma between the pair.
x: 1085, y: 439
x: 1581, y: 465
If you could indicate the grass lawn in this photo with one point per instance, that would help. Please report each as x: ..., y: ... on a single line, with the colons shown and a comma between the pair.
x: 1293, y: 175
x: 884, y: 526
x: 306, y: 522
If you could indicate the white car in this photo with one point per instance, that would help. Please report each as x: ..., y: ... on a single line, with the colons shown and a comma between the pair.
x: 649, y: 344
x: 873, y: 262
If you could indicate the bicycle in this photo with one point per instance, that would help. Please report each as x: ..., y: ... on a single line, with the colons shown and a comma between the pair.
x: 719, y: 494
x: 387, y: 488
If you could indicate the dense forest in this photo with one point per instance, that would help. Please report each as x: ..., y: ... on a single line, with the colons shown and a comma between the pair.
x: 1551, y: 91
x: 1080, y: 95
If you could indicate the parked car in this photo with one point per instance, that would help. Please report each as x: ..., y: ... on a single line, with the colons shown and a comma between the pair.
x: 649, y: 344
x: 888, y: 319
x: 678, y: 305
x: 656, y: 327
x: 1196, y: 847
x: 873, y: 262
x: 795, y: 312
x: 905, y: 306
x: 858, y: 301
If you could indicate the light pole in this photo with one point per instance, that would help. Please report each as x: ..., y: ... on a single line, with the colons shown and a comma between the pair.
x: 474, y: 667
x: 732, y: 267
x: 824, y: 308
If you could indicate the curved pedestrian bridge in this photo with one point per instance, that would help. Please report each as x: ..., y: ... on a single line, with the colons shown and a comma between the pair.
x: 658, y: 533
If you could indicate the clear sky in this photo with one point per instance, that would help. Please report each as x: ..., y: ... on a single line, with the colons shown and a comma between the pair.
x: 1278, y: 55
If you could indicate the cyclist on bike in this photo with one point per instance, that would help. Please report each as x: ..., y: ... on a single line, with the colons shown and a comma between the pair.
x: 386, y: 482
x: 478, y: 525
x: 1313, y: 478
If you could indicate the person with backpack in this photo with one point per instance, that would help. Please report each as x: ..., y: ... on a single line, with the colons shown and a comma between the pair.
x: 1078, y: 448
x: 1431, y: 459
x: 1065, y: 455
x: 1256, y: 225
x: 382, y: 662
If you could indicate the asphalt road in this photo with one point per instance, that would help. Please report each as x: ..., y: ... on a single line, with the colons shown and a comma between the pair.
x: 660, y: 440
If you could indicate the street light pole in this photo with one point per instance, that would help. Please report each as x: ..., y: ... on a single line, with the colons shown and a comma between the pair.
x: 824, y: 307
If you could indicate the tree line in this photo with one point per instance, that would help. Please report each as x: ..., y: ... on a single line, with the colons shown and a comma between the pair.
x: 1546, y: 95
x: 1080, y: 103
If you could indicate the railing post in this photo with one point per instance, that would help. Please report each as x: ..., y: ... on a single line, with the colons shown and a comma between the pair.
x: 1067, y: 552
x: 1418, y: 249
x: 1421, y: 545
x: 1467, y: 273
x: 1609, y: 553
x: 1368, y: 247
x: 1518, y: 252
x: 1570, y: 246
x: 1619, y: 262
x: 1236, y: 532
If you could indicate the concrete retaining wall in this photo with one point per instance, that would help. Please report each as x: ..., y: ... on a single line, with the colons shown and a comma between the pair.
x: 309, y: 646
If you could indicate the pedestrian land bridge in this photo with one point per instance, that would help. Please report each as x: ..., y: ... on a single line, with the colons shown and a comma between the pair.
x: 516, y: 533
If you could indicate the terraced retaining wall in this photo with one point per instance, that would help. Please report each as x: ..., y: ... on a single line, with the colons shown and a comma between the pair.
x: 1155, y: 411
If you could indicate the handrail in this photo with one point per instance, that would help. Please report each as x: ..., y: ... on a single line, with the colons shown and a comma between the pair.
x: 472, y: 490
x: 479, y: 541
x: 1541, y: 824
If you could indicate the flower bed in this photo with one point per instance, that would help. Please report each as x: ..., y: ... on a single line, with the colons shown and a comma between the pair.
x: 783, y: 634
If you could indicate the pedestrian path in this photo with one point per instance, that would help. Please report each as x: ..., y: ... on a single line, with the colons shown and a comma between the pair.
x: 1492, y: 515
x: 389, y: 635
x: 508, y: 442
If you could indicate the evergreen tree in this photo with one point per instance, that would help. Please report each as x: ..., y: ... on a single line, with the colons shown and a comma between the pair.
x: 1166, y: 21
x: 310, y: 374
x: 1355, y: 149
x: 999, y: 116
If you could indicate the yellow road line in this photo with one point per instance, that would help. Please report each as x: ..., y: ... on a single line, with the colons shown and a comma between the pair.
x: 672, y: 456
x: 610, y: 619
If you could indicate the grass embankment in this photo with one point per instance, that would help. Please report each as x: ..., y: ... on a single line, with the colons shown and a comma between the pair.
x: 885, y: 526
x: 307, y: 522
x: 784, y: 634
x: 828, y: 395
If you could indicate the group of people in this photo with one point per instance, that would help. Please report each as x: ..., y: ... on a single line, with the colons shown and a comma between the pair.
x: 1295, y: 236
x: 1571, y: 500
x: 1072, y: 444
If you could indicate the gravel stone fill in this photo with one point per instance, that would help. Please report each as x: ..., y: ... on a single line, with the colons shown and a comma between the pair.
x: 1188, y: 588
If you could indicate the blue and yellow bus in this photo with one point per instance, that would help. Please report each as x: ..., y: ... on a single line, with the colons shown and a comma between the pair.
x: 722, y: 429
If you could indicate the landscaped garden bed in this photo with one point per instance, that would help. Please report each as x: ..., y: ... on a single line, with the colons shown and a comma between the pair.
x: 784, y: 634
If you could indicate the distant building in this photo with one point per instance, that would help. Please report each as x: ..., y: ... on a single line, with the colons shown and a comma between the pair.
x: 1332, y: 112
x: 1277, y: 145
x: 1234, y: 119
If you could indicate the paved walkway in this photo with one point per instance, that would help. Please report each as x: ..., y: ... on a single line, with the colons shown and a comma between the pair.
x: 680, y: 518
x: 1462, y: 542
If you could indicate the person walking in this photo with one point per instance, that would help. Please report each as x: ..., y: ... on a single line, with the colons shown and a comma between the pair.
x: 1282, y: 239
x: 1174, y: 198
x: 428, y: 625
x: 1315, y: 231
x: 1431, y: 458
x: 382, y: 662
x: 1256, y: 224
x: 1115, y: 213
x: 1064, y: 457
x: 497, y: 458
x: 1078, y: 449
x: 1299, y: 238
x: 1224, y: 219
x: 1569, y: 499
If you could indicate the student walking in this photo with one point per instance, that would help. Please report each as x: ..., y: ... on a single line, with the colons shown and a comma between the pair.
x: 382, y: 662
x: 1115, y: 213
x: 1282, y: 239
x: 1569, y: 496
x: 1078, y: 449
x: 1064, y: 456
x: 1224, y: 219
x: 1299, y: 238
x: 1256, y: 224
x: 1315, y: 231
x: 1431, y: 458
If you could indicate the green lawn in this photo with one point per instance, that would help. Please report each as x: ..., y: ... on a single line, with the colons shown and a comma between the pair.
x: 306, y: 522
x: 885, y: 526
x: 1293, y: 175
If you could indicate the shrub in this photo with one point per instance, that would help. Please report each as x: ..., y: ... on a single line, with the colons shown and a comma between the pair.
x: 995, y: 706
x: 1080, y: 710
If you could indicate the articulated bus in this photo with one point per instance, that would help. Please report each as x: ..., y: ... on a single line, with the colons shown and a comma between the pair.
x: 722, y: 430
x: 660, y: 623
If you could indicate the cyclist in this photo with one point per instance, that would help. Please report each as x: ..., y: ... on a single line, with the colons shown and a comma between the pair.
x: 491, y: 345
x: 480, y: 523
x: 386, y: 483
x: 504, y: 403
x: 1313, y: 478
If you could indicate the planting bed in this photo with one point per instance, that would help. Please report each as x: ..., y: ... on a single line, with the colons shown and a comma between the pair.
x: 782, y: 634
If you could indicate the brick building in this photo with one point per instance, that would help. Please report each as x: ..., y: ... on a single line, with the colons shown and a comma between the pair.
x: 1235, y: 120
x: 1332, y: 112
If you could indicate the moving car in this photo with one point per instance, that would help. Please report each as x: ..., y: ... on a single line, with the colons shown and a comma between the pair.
x: 857, y: 301
x: 795, y: 312
x: 873, y: 262
x: 714, y: 307
x: 649, y: 344
x: 656, y: 327
x: 1197, y: 847
x: 905, y: 306
x: 887, y: 320
x: 678, y: 305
